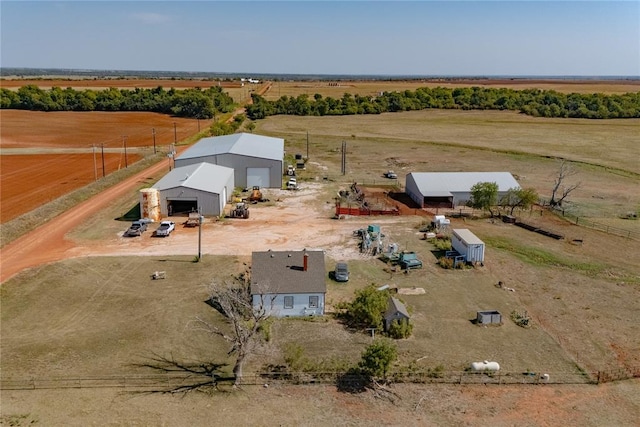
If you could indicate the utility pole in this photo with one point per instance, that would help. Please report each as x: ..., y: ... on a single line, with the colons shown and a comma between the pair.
x: 102, y: 145
x: 153, y: 132
x: 95, y: 166
x: 124, y: 142
x: 175, y: 133
x: 200, y: 219
x: 307, y: 145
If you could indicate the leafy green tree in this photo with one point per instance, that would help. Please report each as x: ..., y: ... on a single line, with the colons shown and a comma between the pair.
x: 400, y: 328
x: 484, y: 195
x: 377, y: 358
x: 367, y: 308
x: 522, y: 198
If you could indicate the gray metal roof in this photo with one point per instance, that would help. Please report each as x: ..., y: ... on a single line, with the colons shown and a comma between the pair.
x: 282, y: 272
x: 467, y: 236
x: 244, y: 144
x: 200, y: 176
x: 441, y: 183
x: 396, y: 306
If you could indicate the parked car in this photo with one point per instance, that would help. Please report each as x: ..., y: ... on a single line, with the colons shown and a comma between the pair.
x: 165, y: 228
x: 341, y: 272
x: 136, y: 229
x: 390, y: 174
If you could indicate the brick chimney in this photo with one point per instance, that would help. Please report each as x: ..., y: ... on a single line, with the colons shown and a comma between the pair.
x: 306, y: 262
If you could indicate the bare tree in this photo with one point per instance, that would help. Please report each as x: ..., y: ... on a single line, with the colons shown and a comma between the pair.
x: 244, y: 315
x: 560, y: 189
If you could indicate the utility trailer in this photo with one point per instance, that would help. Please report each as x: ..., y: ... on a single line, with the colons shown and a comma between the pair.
x: 193, y: 220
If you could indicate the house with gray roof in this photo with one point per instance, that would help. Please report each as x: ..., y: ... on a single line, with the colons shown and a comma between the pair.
x: 451, y: 189
x: 201, y: 185
x: 289, y: 283
x: 396, y: 310
x: 257, y: 160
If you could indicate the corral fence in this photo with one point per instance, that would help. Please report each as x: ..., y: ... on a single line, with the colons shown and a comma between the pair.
x: 609, y: 229
x: 180, y: 381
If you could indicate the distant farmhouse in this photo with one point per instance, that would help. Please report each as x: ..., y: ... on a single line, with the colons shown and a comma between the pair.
x: 294, y: 280
x: 451, y: 189
x: 256, y: 160
x: 200, y: 185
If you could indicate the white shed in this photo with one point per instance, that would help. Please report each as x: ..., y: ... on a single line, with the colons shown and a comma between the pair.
x: 468, y: 245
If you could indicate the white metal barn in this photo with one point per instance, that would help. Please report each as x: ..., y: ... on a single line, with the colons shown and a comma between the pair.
x: 450, y: 189
x: 202, y: 185
x: 468, y: 245
x: 256, y: 159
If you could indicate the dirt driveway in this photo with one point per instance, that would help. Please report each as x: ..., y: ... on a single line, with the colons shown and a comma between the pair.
x: 293, y: 222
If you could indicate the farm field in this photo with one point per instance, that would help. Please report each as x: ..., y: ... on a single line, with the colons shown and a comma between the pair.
x: 95, y: 314
x: 335, y: 89
x: 119, y: 83
x: 43, y: 162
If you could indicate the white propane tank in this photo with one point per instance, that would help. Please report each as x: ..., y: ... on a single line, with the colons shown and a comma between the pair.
x: 544, y: 378
x: 485, y: 366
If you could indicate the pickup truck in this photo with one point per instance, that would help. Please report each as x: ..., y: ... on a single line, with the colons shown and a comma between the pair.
x: 136, y: 229
x: 165, y: 228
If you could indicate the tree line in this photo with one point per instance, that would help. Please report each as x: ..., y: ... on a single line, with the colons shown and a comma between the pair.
x: 534, y: 102
x: 194, y: 103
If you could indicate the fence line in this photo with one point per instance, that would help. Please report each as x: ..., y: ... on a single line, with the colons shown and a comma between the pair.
x: 609, y: 229
x: 173, y: 381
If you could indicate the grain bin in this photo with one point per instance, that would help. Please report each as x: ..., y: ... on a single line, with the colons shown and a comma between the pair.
x: 150, y: 204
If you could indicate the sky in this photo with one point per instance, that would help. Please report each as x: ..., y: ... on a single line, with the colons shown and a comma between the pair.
x: 442, y: 38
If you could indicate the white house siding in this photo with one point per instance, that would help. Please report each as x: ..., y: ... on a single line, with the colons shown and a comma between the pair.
x: 300, y: 305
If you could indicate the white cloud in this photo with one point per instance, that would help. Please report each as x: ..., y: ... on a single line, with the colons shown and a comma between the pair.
x: 150, y: 18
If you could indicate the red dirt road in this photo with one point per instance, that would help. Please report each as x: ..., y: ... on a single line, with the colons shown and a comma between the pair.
x: 47, y: 243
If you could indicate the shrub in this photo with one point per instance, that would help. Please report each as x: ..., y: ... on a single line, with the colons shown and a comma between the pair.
x: 400, y: 329
x: 445, y: 262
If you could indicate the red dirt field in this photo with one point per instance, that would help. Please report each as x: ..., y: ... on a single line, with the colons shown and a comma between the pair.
x: 28, y: 181
x: 48, y: 154
x: 26, y: 129
x: 117, y: 83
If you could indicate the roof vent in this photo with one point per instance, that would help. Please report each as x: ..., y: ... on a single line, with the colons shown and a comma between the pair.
x: 289, y: 256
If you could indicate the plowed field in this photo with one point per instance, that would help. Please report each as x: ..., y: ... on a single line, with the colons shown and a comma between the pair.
x: 29, y: 181
x: 45, y: 155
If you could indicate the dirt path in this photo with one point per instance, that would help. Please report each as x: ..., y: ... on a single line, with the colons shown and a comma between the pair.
x: 47, y: 243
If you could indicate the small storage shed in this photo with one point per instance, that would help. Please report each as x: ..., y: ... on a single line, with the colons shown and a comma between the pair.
x: 488, y: 317
x: 468, y: 245
x: 395, y: 311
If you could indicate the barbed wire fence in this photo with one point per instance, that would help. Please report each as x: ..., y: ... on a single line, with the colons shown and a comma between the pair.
x: 177, y: 381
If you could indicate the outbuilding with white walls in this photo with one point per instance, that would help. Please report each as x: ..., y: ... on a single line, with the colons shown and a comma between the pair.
x: 468, y: 245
